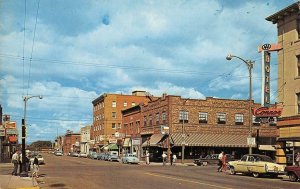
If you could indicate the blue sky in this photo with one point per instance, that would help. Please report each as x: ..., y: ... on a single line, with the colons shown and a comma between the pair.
x: 76, y: 50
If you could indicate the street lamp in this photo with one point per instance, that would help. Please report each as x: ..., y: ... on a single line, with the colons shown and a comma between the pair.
x: 24, y: 172
x: 249, y: 64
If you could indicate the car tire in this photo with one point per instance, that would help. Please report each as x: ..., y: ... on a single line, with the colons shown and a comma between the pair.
x: 274, y: 175
x: 232, y: 171
x: 293, y: 177
x: 255, y: 175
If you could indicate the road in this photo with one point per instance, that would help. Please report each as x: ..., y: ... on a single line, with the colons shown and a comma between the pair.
x: 70, y: 172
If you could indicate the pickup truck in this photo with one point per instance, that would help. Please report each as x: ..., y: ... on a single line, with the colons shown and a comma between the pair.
x: 293, y: 172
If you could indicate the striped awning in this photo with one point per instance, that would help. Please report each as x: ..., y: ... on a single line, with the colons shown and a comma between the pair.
x: 154, y: 140
x: 210, y: 140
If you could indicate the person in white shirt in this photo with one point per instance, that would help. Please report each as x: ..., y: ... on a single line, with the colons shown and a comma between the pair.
x: 220, y: 164
x: 14, y: 160
x: 174, y: 158
x: 164, y: 157
x: 147, y: 158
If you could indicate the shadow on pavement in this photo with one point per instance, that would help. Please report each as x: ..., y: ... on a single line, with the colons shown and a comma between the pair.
x: 58, y: 185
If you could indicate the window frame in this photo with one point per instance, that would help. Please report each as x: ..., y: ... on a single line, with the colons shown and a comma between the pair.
x: 239, y: 119
x: 113, y: 104
x: 221, y: 118
x: 203, y: 117
x: 183, y: 116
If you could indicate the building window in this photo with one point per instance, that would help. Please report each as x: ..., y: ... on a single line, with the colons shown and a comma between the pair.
x: 298, y: 64
x: 125, y: 104
x: 221, y: 118
x: 164, y: 117
x: 145, y: 121
x: 183, y: 116
x: 132, y: 104
x: 114, y: 115
x: 239, y: 119
x: 150, y: 120
x: 298, y: 101
x: 137, y: 124
x: 157, y: 118
x: 202, y: 117
x: 113, y: 126
x: 131, y: 126
x: 256, y: 121
x: 119, y: 125
x: 114, y: 104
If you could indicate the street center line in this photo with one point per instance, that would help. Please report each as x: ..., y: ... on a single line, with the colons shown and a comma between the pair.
x: 185, y: 180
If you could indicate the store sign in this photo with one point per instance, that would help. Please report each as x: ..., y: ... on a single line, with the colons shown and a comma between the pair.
x: 267, y: 57
x: 267, y: 112
x: 11, y: 131
x: 164, y: 130
x: 136, y: 142
x: 11, y: 125
x: 113, y: 141
x: 269, y: 47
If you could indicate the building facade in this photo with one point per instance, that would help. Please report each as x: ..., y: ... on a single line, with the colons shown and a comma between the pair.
x: 108, y: 118
x: 71, y: 142
x: 192, y: 127
x: 288, y: 27
x: 85, y: 139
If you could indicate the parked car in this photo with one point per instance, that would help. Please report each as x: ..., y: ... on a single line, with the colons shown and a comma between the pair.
x: 82, y: 154
x: 40, y: 159
x: 113, y: 157
x: 293, y: 172
x: 130, y: 158
x: 74, y: 154
x: 58, y: 153
x: 211, y: 159
x: 256, y: 165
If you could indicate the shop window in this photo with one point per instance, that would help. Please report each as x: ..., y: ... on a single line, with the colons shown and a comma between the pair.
x: 202, y: 117
x: 239, y: 119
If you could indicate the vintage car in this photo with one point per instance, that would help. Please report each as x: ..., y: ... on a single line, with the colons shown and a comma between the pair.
x: 130, y: 158
x: 293, y: 172
x: 256, y: 165
x: 211, y: 160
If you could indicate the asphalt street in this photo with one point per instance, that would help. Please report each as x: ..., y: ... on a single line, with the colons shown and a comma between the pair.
x: 72, y: 172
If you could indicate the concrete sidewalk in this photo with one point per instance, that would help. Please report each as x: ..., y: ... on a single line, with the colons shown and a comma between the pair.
x: 14, y: 182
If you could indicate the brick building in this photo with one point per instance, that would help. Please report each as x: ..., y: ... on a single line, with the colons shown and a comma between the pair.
x: 203, y: 126
x: 108, y: 117
x: 71, y: 142
x: 288, y: 27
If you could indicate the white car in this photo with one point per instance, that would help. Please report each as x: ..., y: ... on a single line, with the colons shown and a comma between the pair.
x: 82, y: 154
x: 58, y: 153
x: 40, y: 159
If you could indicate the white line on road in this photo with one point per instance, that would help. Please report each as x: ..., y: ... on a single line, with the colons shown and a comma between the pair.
x: 185, y: 180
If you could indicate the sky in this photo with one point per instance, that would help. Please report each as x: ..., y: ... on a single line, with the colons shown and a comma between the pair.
x: 72, y: 51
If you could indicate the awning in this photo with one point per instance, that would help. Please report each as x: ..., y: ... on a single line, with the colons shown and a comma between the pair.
x: 211, y: 140
x: 291, y: 139
x: 267, y: 147
x: 154, y: 140
x: 126, y: 142
x: 113, y: 147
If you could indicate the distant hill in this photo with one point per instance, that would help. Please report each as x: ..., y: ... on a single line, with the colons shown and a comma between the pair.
x: 40, y: 145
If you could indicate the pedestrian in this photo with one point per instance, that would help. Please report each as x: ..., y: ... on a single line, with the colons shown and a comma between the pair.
x: 298, y: 159
x: 20, y: 163
x: 147, y: 158
x: 171, y: 159
x: 220, y: 164
x: 164, y: 157
x: 174, y: 158
x: 14, y: 160
x: 224, y: 162
x: 35, y: 170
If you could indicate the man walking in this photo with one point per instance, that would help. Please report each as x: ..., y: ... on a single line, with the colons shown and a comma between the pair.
x: 164, y: 157
x: 298, y: 159
x: 14, y: 160
x: 147, y: 158
x: 220, y: 164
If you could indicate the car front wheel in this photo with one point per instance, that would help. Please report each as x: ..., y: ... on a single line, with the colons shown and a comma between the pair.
x: 232, y: 171
x: 256, y: 175
x: 293, y: 177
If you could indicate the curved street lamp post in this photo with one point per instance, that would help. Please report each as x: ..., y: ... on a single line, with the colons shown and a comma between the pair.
x: 249, y: 64
x: 24, y: 172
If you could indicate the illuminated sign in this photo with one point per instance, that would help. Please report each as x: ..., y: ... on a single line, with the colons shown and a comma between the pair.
x: 267, y: 57
x: 267, y: 112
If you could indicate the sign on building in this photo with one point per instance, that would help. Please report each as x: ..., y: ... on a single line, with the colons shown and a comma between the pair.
x: 164, y: 130
x: 11, y: 131
x: 10, y: 125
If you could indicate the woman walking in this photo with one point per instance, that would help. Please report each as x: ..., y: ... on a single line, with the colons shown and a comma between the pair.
x: 35, y: 170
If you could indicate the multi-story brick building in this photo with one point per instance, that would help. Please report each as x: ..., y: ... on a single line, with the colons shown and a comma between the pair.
x: 107, y: 115
x: 288, y: 26
x: 71, y: 142
x: 203, y: 126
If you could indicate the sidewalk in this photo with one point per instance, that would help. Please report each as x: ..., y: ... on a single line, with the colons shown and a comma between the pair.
x: 14, y: 182
x: 167, y: 164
